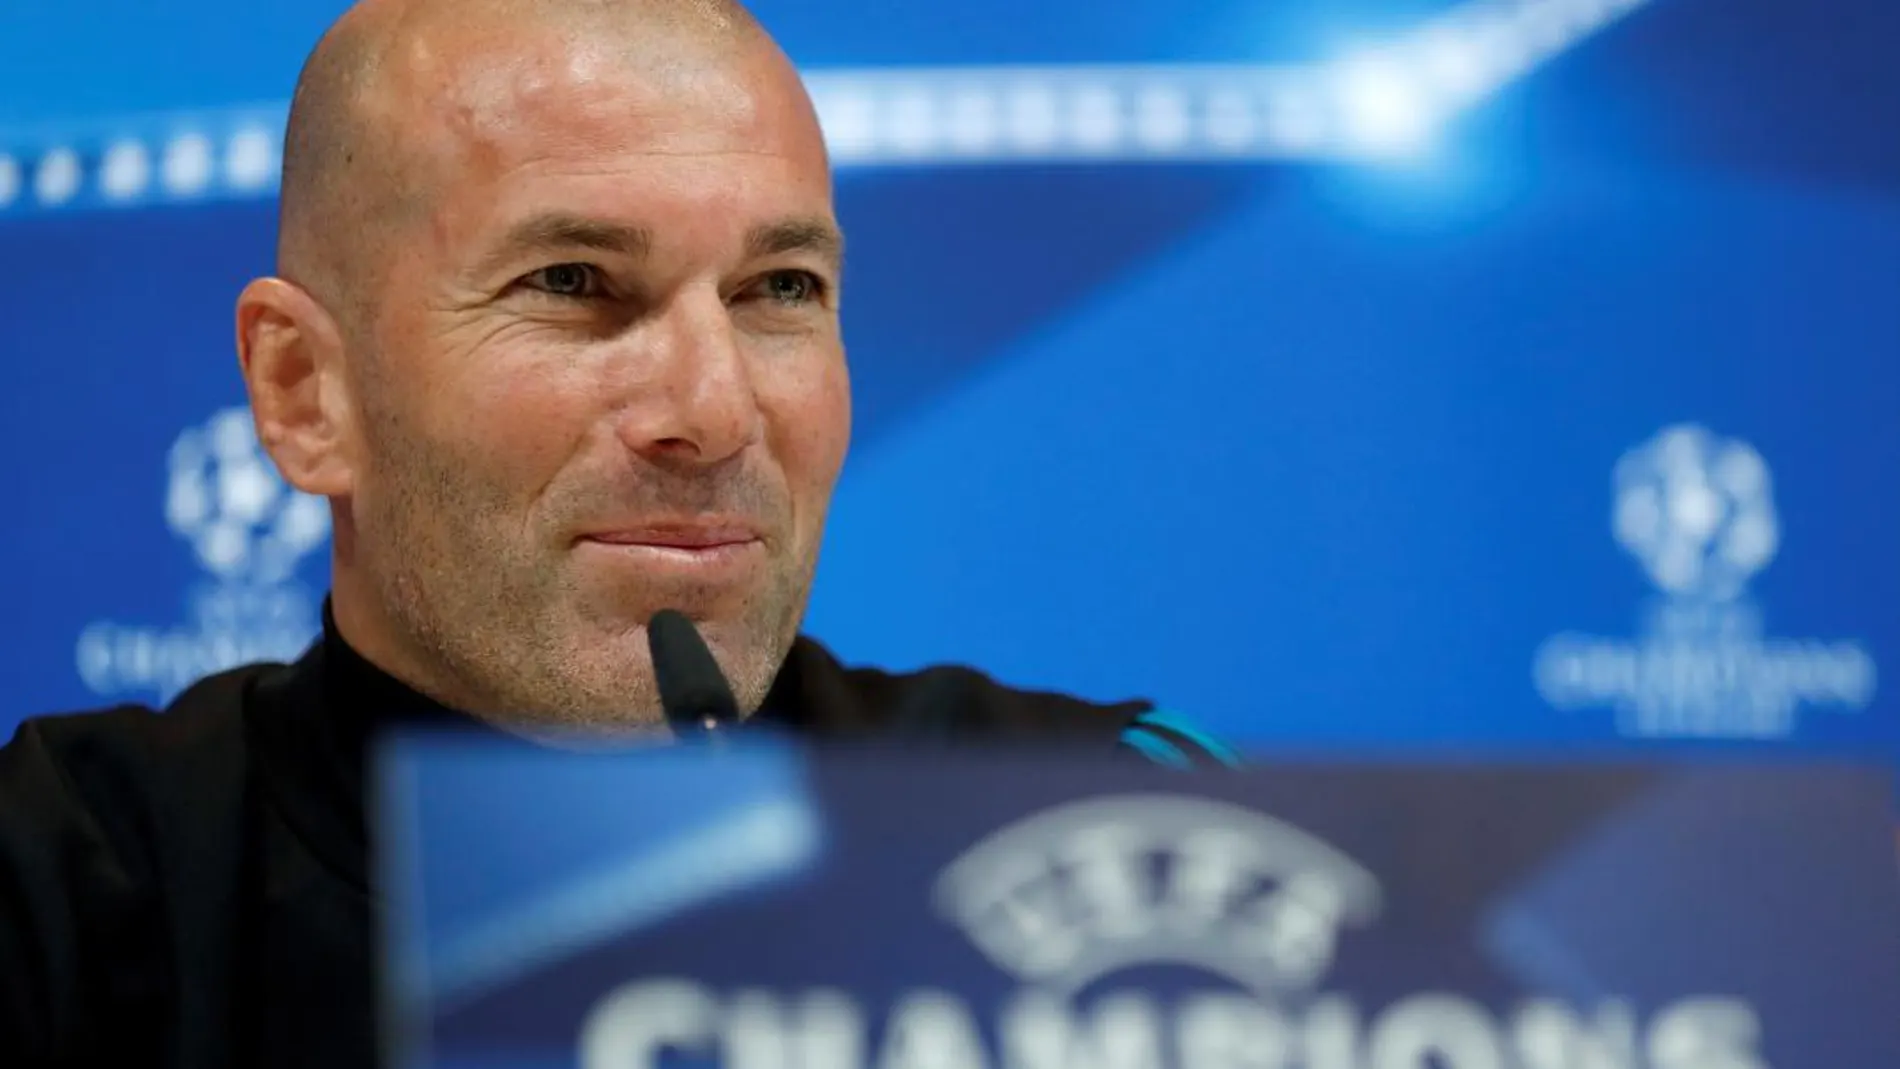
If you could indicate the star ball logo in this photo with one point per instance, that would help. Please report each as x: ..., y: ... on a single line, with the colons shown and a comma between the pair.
x: 1079, y: 906
x: 249, y: 533
x: 1697, y: 512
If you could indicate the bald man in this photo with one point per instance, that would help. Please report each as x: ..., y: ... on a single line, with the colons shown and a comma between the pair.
x: 555, y: 331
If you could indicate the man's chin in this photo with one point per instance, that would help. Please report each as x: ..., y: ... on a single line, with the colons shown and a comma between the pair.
x: 583, y: 709
x: 610, y: 652
x: 593, y: 735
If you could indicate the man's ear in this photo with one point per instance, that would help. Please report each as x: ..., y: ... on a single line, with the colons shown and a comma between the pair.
x: 291, y: 352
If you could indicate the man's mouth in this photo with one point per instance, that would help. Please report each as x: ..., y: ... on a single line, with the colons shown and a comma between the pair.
x: 709, y: 549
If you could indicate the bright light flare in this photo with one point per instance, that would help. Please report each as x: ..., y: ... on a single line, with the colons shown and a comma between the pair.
x: 1385, y: 108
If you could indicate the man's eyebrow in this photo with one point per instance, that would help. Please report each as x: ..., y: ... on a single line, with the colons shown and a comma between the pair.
x: 817, y: 236
x: 546, y: 233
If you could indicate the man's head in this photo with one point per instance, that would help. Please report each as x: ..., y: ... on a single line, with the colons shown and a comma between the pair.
x: 556, y: 332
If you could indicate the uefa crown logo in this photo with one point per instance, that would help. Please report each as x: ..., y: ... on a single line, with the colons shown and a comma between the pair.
x: 1065, y: 898
x: 250, y: 533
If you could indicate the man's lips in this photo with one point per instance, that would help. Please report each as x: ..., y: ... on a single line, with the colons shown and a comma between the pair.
x: 679, y: 536
x: 720, y: 552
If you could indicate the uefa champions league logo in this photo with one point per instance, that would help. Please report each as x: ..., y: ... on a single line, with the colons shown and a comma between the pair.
x: 224, y: 498
x: 1697, y: 512
x: 249, y: 532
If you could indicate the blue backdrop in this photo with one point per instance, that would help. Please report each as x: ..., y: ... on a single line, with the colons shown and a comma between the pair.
x: 1394, y: 371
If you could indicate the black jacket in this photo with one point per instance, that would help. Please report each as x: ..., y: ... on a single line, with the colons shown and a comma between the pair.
x: 188, y: 889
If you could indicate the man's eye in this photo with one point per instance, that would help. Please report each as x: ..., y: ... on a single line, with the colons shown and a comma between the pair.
x: 566, y: 280
x: 792, y: 287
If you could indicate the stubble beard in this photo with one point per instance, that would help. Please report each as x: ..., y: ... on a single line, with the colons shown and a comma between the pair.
x: 503, y: 632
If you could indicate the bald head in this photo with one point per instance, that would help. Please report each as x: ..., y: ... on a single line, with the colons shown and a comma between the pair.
x: 382, y: 99
x: 558, y: 305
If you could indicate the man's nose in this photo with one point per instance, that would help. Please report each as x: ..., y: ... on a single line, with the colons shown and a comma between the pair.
x: 692, y: 401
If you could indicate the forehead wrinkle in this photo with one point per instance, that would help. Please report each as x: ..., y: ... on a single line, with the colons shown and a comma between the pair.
x: 562, y: 166
x: 541, y: 116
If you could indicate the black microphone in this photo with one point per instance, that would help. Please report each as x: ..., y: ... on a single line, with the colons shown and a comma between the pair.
x: 694, y: 693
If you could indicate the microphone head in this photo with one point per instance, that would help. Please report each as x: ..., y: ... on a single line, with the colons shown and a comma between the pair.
x: 694, y: 693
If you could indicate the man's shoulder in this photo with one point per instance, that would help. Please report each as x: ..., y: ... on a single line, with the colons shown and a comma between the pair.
x: 105, y: 753
x: 122, y: 837
x: 955, y: 702
x: 200, y: 709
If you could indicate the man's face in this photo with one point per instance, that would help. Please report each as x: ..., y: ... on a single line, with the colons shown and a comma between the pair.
x: 603, y: 375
